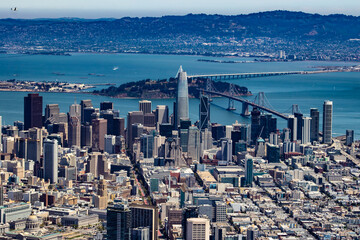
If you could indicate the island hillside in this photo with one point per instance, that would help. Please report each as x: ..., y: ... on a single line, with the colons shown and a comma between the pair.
x: 165, y: 88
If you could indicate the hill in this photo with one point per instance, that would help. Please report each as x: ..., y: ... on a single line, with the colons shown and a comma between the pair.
x: 266, y: 32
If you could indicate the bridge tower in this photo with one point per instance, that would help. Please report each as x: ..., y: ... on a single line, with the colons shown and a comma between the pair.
x: 295, y: 109
x: 231, y: 106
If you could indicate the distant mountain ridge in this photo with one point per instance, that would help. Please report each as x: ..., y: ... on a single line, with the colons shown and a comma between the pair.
x: 144, y: 34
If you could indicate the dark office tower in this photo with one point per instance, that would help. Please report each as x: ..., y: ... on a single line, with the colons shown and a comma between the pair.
x: 51, y: 161
x: 109, y: 116
x: 327, y: 121
x: 86, y: 114
x: 166, y: 129
x: 217, y: 131
x: 267, y: 125
x: 99, y: 130
x: 133, y: 117
x: 292, y: 125
x: 136, y: 130
x: 314, y: 124
x: 255, y: 125
x: 33, y: 105
x: 74, y: 132
x: 86, y: 135
x: 182, y: 96
x: 147, y: 145
x: 85, y: 104
x: 33, y: 149
x: 119, y: 126
x: 162, y: 114
x: 349, y: 137
x: 249, y: 172
x: 145, y: 216
x: 145, y: 106
x: 1, y: 195
x: 106, y: 106
x: 185, y: 123
x: 235, y: 137
x: 189, y: 212
x: 149, y: 120
x: 118, y: 222
x: 52, y: 111
x: 299, y: 126
x: 204, y: 112
x: 174, y: 116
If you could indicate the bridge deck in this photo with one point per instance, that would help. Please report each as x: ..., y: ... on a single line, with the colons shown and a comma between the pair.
x: 229, y: 75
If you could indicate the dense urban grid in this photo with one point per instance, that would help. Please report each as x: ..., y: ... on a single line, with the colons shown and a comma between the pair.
x: 89, y: 174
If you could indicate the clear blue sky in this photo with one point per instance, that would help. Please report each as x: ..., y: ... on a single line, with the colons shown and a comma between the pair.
x: 140, y: 8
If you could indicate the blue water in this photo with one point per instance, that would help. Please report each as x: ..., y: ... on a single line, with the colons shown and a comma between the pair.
x: 282, y: 91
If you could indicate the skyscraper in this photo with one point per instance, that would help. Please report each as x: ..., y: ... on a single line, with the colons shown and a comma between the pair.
x: 51, y: 160
x: 193, y: 148
x: 182, y: 97
x: 147, y: 145
x: 299, y: 126
x: 33, y: 105
x: 52, y: 111
x: 349, y: 137
x: 75, y: 111
x: 306, y: 125
x: 292, y: 125
x: 314, y: 126
x: 226, y: 151
x: 99, y: 130
x: 145, y: 216
x: 74, y: 131
x: 106, y: 106
x: 86, y: 135
x: 145, y: 106
x: 161, y: 114
x: 204, y: 112
x: 327, y: 121
x: 118, y: 222
x: 249, y: 172
x: 198, y: 229
x: 132, y: 118
x: 85, y: 104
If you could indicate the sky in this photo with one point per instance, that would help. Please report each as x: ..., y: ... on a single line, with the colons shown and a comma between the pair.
x: 143, y: 8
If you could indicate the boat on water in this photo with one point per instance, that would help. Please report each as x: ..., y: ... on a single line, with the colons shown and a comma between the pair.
x: 115, y: 68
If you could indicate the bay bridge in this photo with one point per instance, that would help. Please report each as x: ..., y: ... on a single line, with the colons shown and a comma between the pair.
x: 260, y: 101
x: 227, y: 76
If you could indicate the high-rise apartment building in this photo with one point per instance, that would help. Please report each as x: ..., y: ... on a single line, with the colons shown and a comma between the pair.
x: 33, y: 105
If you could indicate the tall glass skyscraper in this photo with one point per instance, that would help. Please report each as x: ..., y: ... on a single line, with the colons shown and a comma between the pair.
x: 182, y: 98
x: 327, y: 121
x: 51, y: 160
